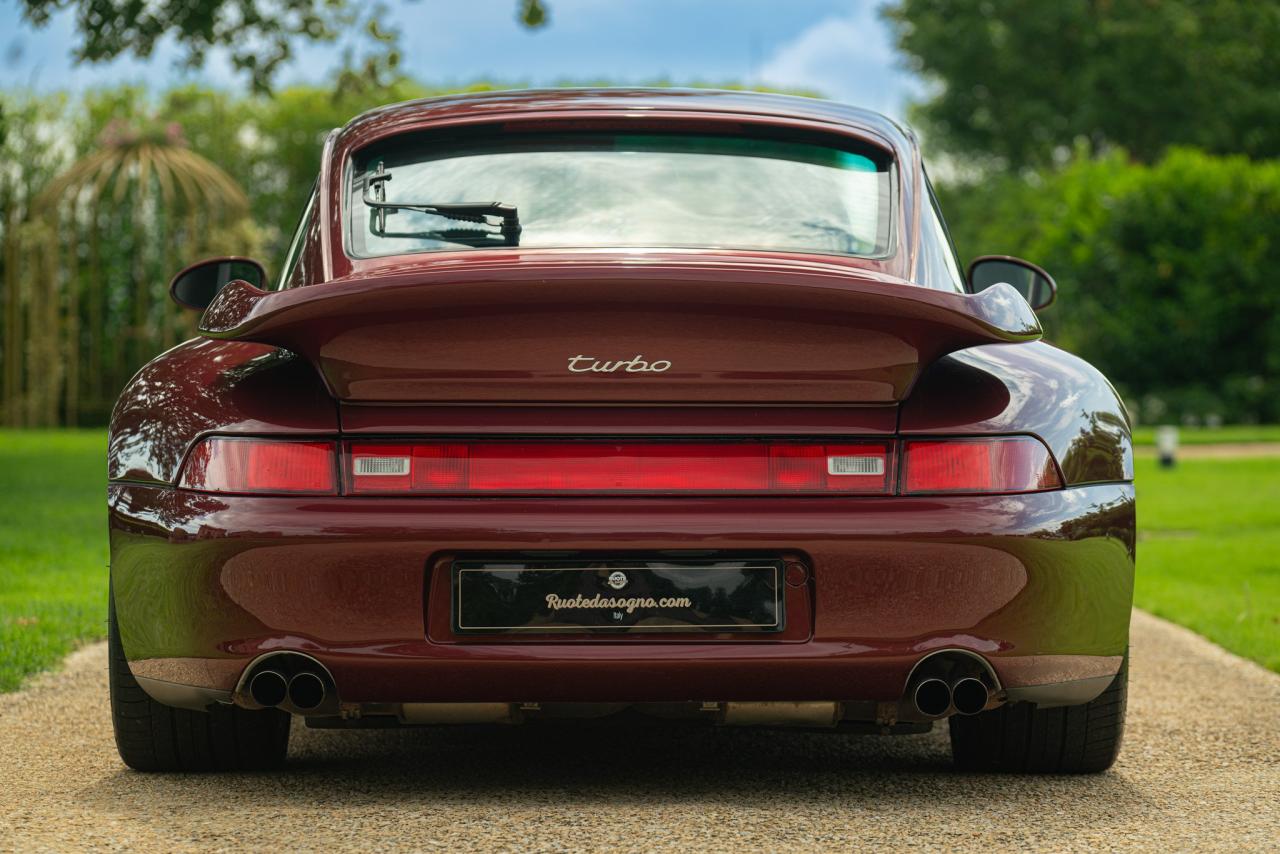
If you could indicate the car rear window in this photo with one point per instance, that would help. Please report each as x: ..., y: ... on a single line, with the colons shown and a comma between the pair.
x: 594, y: 189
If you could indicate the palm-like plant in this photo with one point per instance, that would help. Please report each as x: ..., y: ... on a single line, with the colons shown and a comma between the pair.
x: 151, y: 201
x: 129, y: 157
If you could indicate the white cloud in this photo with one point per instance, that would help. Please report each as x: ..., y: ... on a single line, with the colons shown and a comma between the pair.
x: 847, y: 58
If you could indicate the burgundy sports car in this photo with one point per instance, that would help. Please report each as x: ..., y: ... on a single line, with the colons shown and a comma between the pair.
x: 583, y: 403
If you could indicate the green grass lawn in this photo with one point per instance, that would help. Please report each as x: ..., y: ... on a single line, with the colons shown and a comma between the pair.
x: 53, y: 547
x: 1246, y: 433
x: 1208, y: 555
x: 1209, y: 550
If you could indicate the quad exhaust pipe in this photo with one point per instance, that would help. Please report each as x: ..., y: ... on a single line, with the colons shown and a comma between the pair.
x: 950, y: 681
x: 290, y: 681
x: 933, y: 698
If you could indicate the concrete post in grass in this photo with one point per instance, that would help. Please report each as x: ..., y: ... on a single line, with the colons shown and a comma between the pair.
x: 1167, y: 445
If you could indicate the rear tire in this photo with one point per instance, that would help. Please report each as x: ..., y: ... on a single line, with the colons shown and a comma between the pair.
x: 1021, y: 738
x: 151, y: 736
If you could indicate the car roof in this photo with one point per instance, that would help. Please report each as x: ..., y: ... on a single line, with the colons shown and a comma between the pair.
x: 425, y: 113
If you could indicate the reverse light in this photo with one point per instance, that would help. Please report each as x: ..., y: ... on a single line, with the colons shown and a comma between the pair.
x: 261, y: 466
x: 983, y: 465
x: 621, y: 467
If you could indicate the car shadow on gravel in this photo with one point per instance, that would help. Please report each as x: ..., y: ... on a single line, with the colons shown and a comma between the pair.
x: 498, y: 766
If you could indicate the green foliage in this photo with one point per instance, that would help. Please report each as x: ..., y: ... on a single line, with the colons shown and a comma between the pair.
x: 53, y: 547
x: 1167, y: 273
x: 259, y: 35
x: 24, y: 138
x: 84, y: 252
x: 1018, y: 82
x: 533, y: 13
x: 1207, y: 559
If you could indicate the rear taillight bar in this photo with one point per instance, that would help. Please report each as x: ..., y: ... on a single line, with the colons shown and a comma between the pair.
x: 985, y: 465
x: 620, y: 467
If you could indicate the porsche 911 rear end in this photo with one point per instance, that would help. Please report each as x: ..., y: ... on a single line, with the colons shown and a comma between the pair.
x: 521, y: 461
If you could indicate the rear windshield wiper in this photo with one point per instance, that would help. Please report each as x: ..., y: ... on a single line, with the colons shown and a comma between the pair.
x: 473, y: 237
x: 478, y: 212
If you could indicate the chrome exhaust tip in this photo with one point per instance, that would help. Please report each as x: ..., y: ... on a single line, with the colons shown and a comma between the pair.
x: 268, y: 688
x: 970, y: 695
x: 932, y: 698
x: 306, y: 691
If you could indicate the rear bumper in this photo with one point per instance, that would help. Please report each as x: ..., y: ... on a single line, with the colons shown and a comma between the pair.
x: 1038, y: 585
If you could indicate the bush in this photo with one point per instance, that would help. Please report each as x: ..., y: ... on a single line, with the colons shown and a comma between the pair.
x: 1169, y: 274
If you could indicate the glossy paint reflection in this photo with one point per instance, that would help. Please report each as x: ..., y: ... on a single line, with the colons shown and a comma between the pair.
x: 1029, y: 388
x: 202, y: 387
x: 1047, y: 574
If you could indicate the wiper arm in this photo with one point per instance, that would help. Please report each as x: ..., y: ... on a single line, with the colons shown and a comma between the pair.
x: 478, y: 212
x: 463, y: 211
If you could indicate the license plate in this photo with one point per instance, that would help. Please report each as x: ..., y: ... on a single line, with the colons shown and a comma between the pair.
x: 631, y: 596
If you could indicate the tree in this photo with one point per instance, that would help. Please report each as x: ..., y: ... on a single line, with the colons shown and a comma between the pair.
x: 1166, y: 272
x: 258, y: 34
x: 85, y: 257
x: 1024, y: 82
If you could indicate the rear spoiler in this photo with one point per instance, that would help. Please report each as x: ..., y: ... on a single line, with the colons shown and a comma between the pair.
x: 747, y: 334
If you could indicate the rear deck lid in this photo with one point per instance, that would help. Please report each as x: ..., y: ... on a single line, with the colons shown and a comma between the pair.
x: 620, y: 330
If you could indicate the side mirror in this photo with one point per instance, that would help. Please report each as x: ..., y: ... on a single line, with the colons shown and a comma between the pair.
x: 1036, y: 286
x: 197, y: 285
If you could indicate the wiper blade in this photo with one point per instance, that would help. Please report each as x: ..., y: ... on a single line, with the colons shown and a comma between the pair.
x: 478, y: 212
x: 473, y: 237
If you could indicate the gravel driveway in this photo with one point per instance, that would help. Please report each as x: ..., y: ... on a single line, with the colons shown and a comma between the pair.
x: 1200, y: 770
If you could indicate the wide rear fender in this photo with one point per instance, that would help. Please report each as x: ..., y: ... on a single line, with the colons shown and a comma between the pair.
x: 1031, y: 388
x: 202, y: 387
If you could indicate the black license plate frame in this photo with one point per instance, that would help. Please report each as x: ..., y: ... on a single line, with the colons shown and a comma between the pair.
x: 724, y: 595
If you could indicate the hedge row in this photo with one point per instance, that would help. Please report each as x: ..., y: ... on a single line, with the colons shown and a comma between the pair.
x: 1169, y: 274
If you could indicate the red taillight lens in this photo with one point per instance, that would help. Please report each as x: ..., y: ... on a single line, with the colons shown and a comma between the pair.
x: 261, y: 466
x: 628, y: 467
x: 1014, y: 464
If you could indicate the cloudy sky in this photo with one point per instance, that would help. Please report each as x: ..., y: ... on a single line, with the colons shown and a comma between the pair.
x: 838, y: 47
